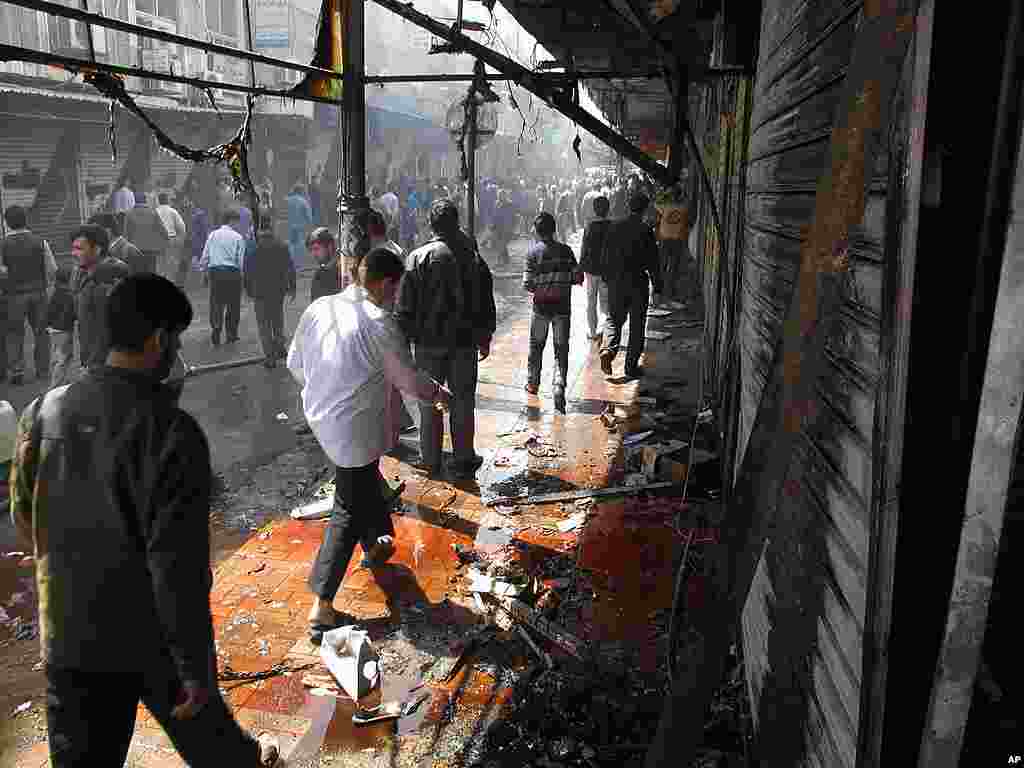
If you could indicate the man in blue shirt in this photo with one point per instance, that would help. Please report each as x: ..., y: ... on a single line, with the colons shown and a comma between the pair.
x: 221, y: 264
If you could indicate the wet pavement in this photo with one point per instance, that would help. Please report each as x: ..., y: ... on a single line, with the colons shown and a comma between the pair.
x: 615, y: 570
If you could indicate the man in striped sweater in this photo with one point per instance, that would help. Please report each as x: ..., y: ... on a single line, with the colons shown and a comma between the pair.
x: 551, y: 272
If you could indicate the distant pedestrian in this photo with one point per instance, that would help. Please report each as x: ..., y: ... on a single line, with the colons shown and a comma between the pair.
x: 176, y: 265
x: 326, y: 279
x: 551, y: 272
x: 123, y: 199
x: 60, y: 324
x: 200, y: 227
x: 300, y: 221
x: 29, y: 266
x: 592, y: 262
x: 95, y: 276
x: 446, y: 309
x: 144, y: 227
x: 269, y: 277
x: 112, y: 467
x: 348, y: 354
x: 631, y: 261
x: 222, y: 264
x: 504, y: 223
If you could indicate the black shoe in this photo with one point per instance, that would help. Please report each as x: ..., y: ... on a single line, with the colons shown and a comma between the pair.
x: 17, y: 380
x: 606, y: 364
x: 215, y: 338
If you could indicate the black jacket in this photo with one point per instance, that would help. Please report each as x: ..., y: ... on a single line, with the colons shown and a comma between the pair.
x: 592, y: 253
x: 115, y: 492
x: 269, y: 273
x: 60, y: 310
x: 446, y: 298
x: 631, y: 252
x: 91, y: 290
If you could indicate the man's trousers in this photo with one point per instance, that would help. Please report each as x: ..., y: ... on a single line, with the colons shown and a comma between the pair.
x: 627, y: 297
x: 225, y: 300
x: 559, y: 325
x: 457, y: 369
x: 270, y: 320
x: 597, y: 295
x: 27, y: 307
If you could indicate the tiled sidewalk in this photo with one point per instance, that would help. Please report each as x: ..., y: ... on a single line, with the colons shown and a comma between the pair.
x: 260, y: 598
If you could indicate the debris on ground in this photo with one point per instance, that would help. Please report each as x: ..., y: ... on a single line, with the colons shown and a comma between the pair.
x: 22, y: 708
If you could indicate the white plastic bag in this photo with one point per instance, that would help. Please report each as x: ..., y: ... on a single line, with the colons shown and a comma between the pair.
x: 352, y: 660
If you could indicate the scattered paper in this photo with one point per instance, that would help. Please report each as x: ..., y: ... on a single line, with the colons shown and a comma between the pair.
x: 21, y: 708
x: 659, y: 312
x: 635, y: 478
x: 314, y: 511
x: 572, y: 523
x: 4, y: 618
x: 658, y: 335
x: 282, y: 416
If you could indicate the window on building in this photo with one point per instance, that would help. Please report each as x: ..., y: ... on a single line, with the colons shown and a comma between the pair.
x: 165, y: 9
x: 222, y: 17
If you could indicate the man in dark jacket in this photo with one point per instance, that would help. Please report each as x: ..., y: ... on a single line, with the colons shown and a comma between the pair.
x: 94, y: 278
x: 326, y: 280
x: 632, y: 260
x: 29, y: 266
x: 269, y: 277
x: 143, y: 227
x: 120, y: 247
x: 592, y: 263
x: 445, y: 307
x: 110, y: 466
x: 551, y: 272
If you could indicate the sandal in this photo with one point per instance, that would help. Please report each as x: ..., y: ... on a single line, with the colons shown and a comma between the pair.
x: 318, y: 629
x: 379, y: 553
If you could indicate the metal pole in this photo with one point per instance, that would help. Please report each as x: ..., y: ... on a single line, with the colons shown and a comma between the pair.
x: 353, y: 201
x: 15, y: 53
x: 471, y: 163
x: 95, y: 19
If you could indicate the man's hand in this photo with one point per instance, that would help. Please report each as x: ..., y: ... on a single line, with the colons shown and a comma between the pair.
x: 191, y: 700
x: 485, y: 349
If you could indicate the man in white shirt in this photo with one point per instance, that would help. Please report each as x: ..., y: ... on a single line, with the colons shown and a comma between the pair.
x: 348, y: 354
x: 221, y: 264
x: 176, y: 268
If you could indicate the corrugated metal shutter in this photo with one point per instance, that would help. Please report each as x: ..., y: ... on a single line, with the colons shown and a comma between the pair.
x: 53, y: 206
x: 100, y: 172
x: 805, y: 665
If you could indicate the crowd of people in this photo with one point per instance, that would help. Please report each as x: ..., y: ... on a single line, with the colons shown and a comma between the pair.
x: 112, y: 466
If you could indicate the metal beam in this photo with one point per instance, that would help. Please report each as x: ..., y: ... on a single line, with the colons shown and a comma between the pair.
x: 15, y: 53
x: 535, y: 84
x: 63, y: 11
x: 555, y: 77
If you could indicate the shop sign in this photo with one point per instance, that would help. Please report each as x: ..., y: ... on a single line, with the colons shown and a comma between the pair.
x: 270, y: 24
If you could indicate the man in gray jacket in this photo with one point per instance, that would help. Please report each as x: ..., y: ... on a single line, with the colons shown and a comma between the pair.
x: 143, y: 227
x: 445, y: 308
x: 94, y: 278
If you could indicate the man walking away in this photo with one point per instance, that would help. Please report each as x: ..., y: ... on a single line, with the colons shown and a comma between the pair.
x: 146, y: 230
x: 269, y: 277
x: 551, y: 272
x: 593, y: 265
x: 504, y: 226
x: 30, y: 268
x: 110, y: 466
x: 91, y: 283
x: 199, y: 231
x: 300, y: 220
x: 222, y: 263
x: 632, y: 259
x: 123, y: 199
x: 60, y: 324
x: 176, y: 266
x: 347, y: 353
x: 446, y: 309
x: 326, y: 280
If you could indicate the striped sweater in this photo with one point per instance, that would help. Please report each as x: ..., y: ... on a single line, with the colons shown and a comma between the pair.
x: 551, y: 272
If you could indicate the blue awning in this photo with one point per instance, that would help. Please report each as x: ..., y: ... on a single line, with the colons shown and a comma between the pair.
x: 428, y: 134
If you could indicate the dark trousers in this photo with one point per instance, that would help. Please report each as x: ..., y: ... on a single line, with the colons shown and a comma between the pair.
x: 627, y: 297
x: 270, y: 319
x: 225, y: 300
x: 360, y: 515
x: 91, y: 718
x: 29, y: 307
x: 559, y: 325
x: 456, y: 368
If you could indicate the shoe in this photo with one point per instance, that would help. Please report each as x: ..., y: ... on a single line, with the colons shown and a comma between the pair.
x: 231, y: 339
x: 215, y: 338
x: 270, y: 750
x: 467, y: 470
x: 606, y: 364
x: 379, y: 553
x: 532, y: 388
x: 317, y: 629
x: 17, y: 380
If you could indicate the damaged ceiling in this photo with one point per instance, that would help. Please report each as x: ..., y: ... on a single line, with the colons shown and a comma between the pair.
x: 626, y: 36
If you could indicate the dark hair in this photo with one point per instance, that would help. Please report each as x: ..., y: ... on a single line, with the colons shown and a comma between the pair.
x: 63, y: 275
x: 94, y: 233
x: 230, y: 215
x: 544, y: 224
x: 383, y: 263
x: 376, y: 225
x: 638, y: 203
x: 142, y: 304
x: 320, y: 235
x: 444, y: 216
x: 108, y: 221
x: 163, y: 198
x: 601, y: 205
x: 15, y: 217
